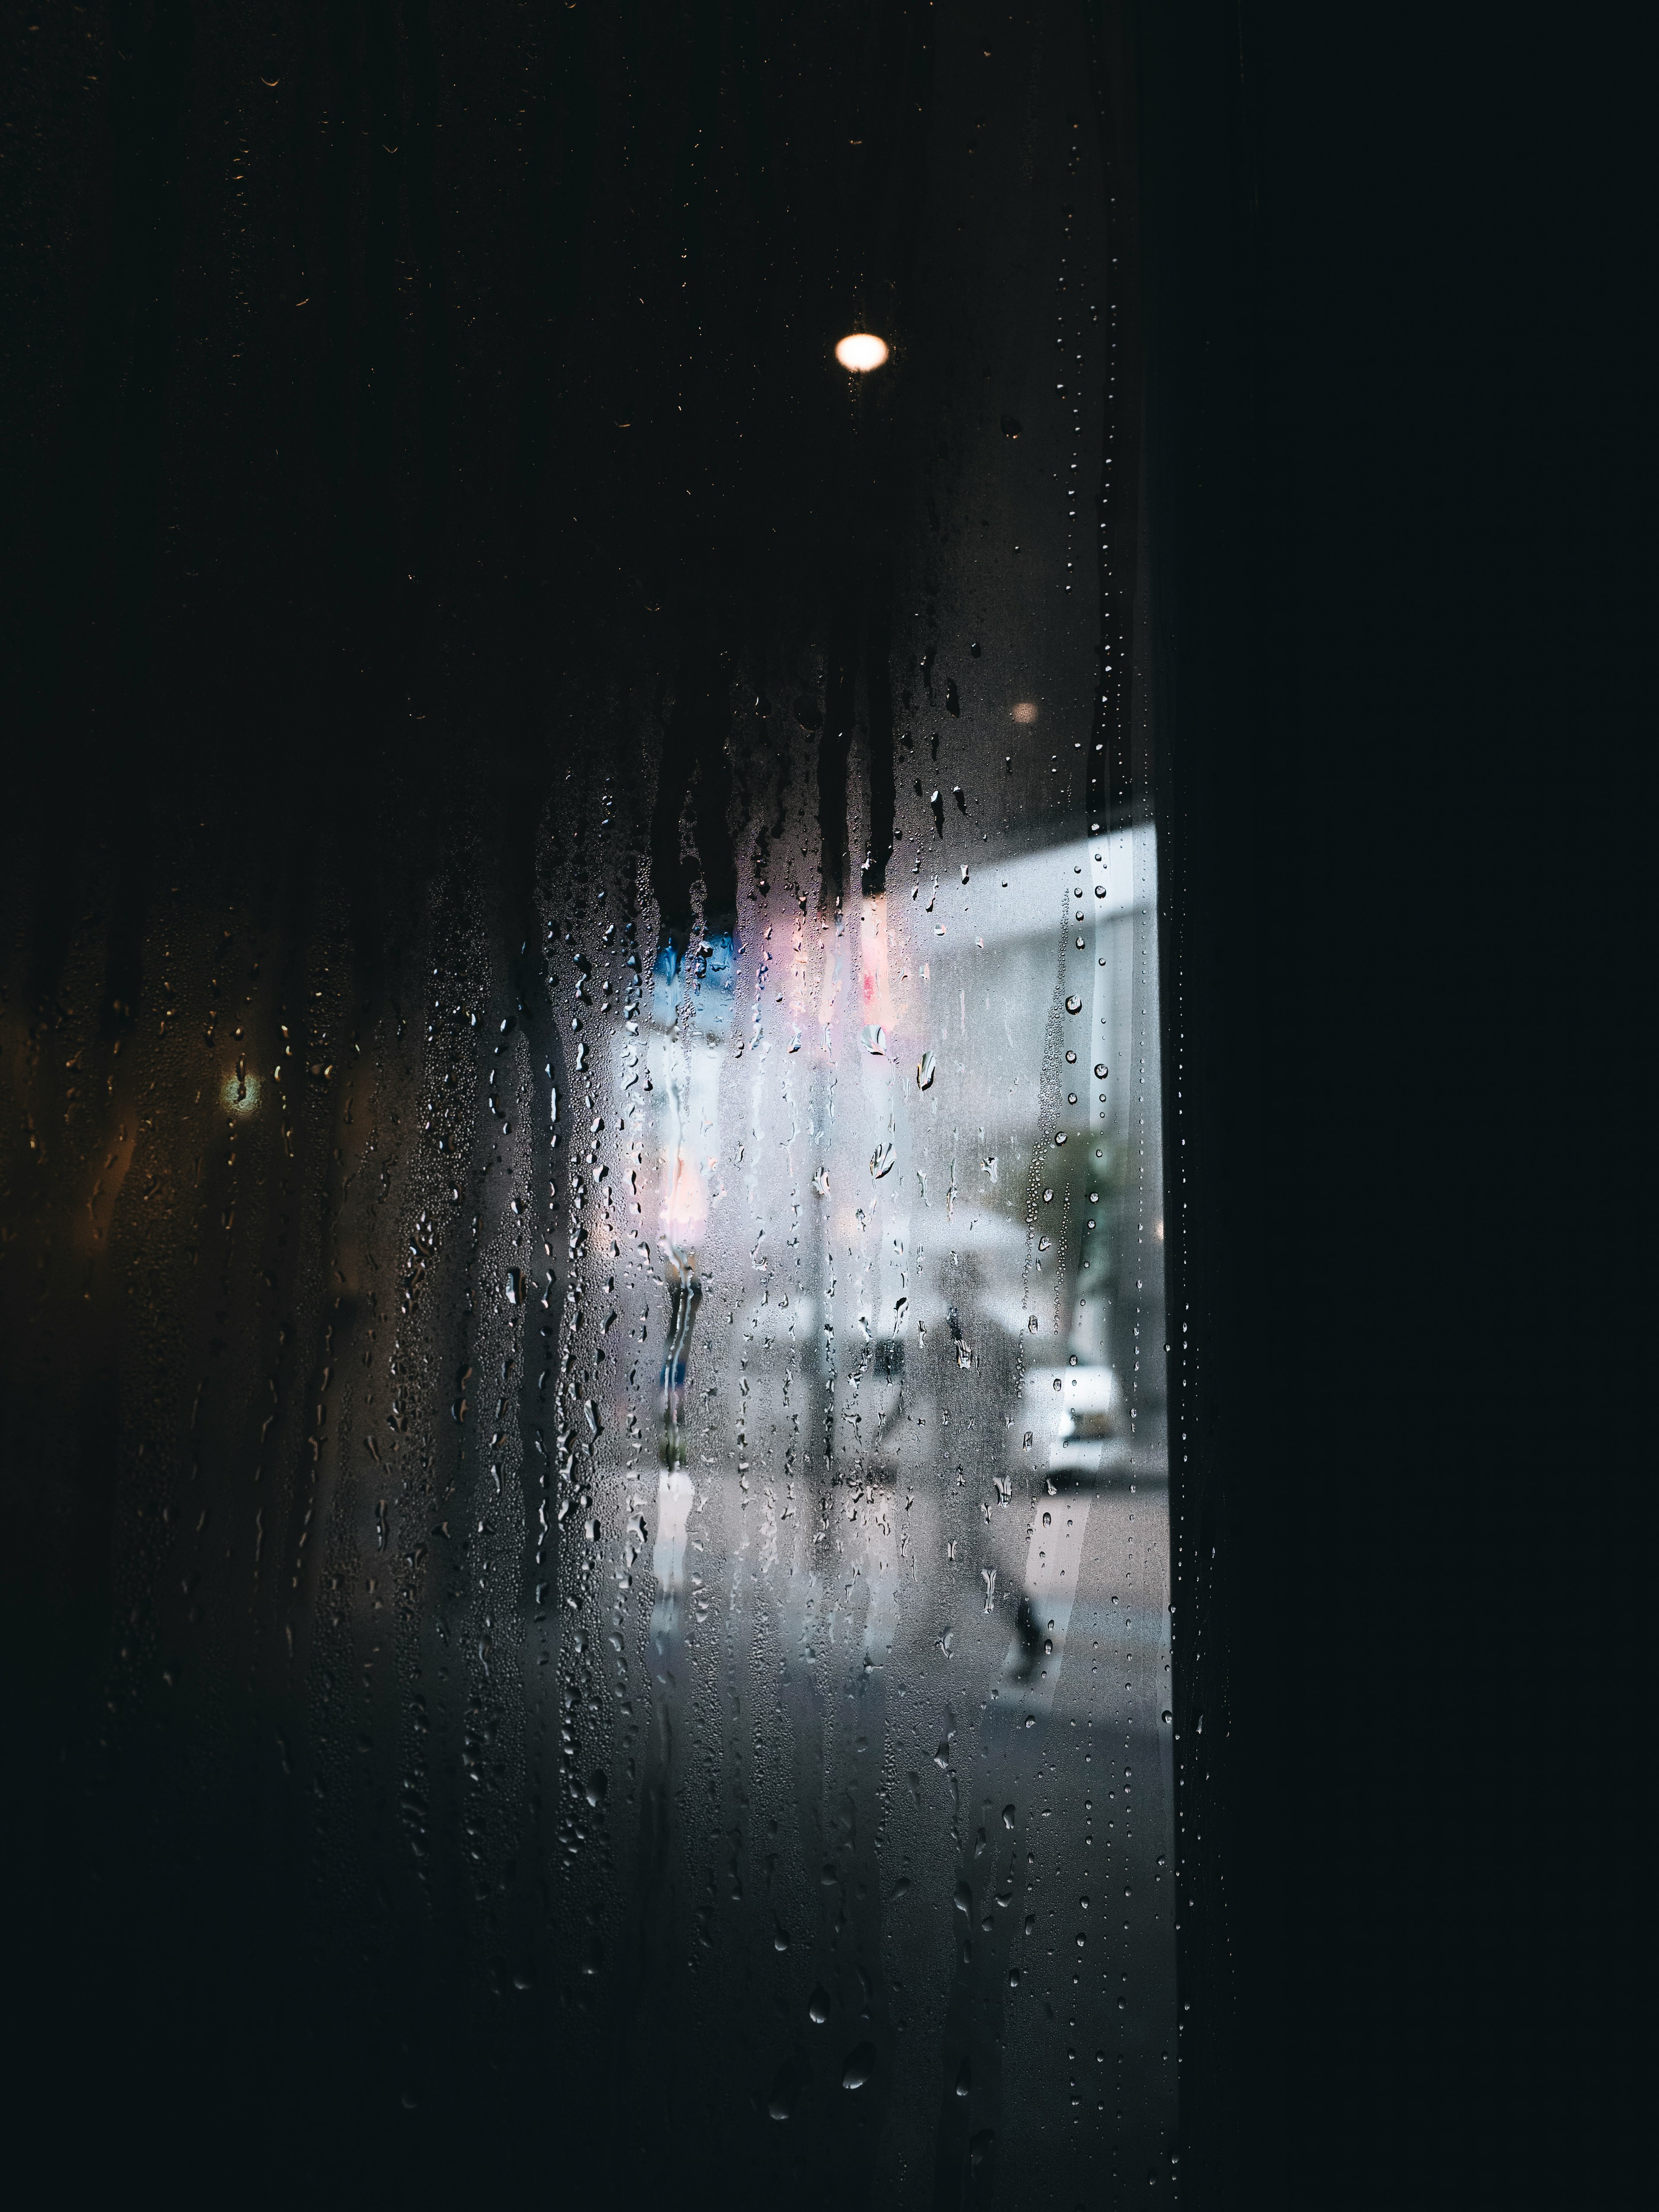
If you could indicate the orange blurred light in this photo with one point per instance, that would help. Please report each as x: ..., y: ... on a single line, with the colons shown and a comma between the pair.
x: 862, y: 350
x: 1026, y: 711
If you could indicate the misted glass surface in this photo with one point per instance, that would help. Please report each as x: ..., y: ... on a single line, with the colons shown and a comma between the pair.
x: 619, y: 1343
x: 861, y: 1427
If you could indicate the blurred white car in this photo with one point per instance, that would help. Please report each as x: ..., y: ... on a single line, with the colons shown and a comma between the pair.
x: 1076, y: 1420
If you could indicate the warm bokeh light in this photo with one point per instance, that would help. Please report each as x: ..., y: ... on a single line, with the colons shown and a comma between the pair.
x: 862, y: 350
x: 1026, y: 711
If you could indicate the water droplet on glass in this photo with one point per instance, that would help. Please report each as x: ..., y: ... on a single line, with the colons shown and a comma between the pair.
x: 860, y: 2065
x: 821, y: 1183
x: 1100, y: 1071
x: 817, y: 2006
x: 1074, y: 1004
x: 925, y: 1072
x: 881, y: 1160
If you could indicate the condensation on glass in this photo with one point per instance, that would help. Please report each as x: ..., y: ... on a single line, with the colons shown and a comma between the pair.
x: 644, y: 1442
x: 867, y: 1620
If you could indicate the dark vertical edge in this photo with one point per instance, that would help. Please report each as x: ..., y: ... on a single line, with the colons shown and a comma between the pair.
x: 1213, y: 780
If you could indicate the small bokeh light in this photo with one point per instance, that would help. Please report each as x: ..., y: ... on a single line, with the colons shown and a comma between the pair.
x: 241, y: 1093
x: 1025, y: 712
x: 863, y: 350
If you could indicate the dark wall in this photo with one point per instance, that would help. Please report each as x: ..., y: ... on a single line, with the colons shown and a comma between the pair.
x: 1395, y: 345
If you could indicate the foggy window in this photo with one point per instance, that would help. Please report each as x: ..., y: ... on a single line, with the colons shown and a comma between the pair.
x: 586, y: 1189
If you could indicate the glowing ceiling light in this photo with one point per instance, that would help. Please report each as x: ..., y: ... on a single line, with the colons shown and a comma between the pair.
x: 862, y: 350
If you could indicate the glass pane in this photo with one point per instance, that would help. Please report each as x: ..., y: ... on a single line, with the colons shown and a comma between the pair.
x: 586, y: 1274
